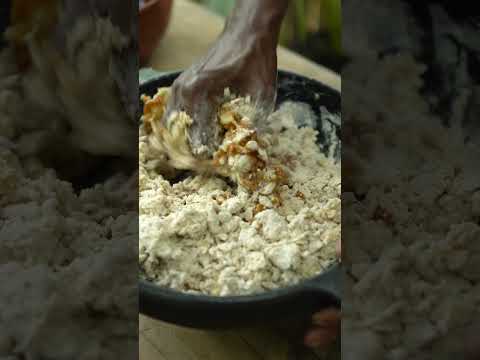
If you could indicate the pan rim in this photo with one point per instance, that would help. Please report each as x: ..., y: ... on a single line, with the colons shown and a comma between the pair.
x: 152, y: 290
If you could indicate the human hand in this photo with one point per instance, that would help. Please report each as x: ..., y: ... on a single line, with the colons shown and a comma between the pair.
x: 325, y: 324
x: 462, y: 342
x: 125, y: 61
x: 325, y: 329
x: 242, y: 59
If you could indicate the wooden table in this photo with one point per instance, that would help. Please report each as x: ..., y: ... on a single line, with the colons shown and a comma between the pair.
x: 192, y: 30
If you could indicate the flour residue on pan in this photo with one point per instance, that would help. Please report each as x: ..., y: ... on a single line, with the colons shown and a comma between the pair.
x: 327, y: 125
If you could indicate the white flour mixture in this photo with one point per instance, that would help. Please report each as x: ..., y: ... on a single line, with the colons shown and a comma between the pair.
x: 206, y: 234
x: 66, y: 258
x: 411, y: 220
x: 411, y: 201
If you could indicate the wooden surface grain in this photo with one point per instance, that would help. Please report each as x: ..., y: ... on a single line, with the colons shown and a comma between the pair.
x: 159, y: 340
x: 192, y: 30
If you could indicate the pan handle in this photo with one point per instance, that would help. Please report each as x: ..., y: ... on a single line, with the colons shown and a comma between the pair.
x: 329, y: 282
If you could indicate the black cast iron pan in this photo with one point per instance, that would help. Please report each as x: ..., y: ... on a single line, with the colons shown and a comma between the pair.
x: 295, y: 302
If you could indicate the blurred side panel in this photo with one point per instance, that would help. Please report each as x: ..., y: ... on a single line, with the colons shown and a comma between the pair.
x: 68, y: 179
x: 411, y: 180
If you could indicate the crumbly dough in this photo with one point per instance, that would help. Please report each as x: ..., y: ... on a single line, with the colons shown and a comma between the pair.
x: 62, y: 251
x: 413, y: 274
x: 206, y: 234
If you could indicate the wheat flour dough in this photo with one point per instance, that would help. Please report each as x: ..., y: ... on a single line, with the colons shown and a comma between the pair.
x: 413, y: 274
x: 61, y: 252
x: 213, y: 235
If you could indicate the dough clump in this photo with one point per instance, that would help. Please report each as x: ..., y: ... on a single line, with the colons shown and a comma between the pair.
x: 266, y: 213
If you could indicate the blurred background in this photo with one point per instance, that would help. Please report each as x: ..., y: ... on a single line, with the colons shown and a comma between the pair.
x: 311, y: 28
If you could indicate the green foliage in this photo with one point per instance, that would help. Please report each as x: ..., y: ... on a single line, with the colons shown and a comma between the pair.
x: 221, y: 7
x: 299, y: 9
x: 333, y: 11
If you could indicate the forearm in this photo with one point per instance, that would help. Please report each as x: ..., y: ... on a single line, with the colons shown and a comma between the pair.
x: 260, y: 18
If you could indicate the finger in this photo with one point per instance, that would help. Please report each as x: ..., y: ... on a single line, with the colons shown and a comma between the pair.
x: 339, y: 250
x: 327, y: 318
x: 175, y: 101
x: 319, y: 338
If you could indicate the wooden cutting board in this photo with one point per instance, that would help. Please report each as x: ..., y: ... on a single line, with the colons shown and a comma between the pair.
x: 192, y: 30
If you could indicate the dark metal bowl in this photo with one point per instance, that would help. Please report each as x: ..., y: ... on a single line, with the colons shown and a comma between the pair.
x: 294, y: 302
